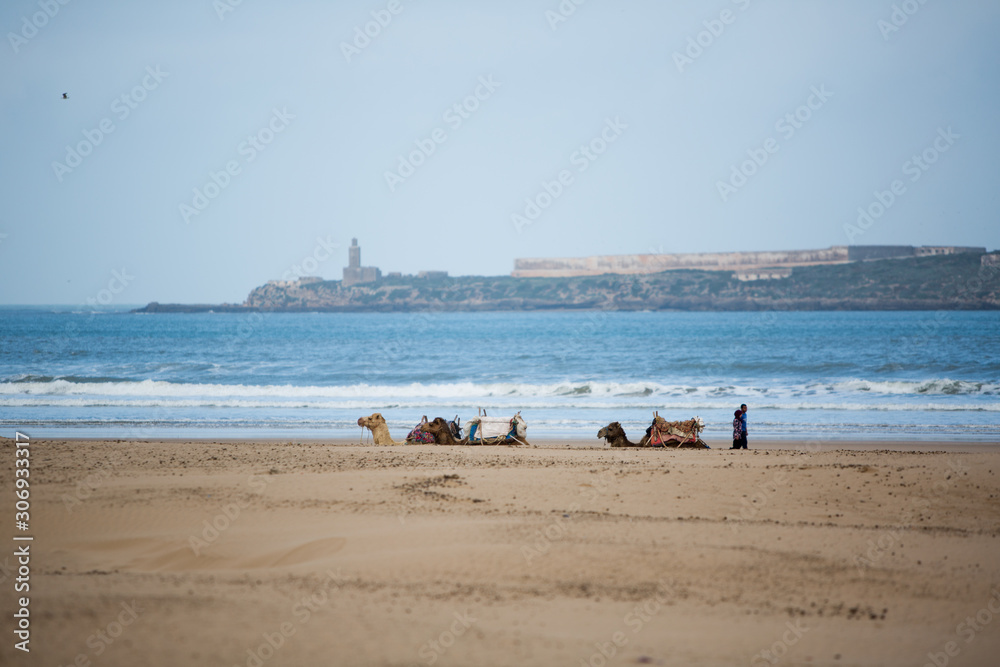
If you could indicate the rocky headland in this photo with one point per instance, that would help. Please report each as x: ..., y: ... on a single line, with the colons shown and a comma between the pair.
x: 949, y: 282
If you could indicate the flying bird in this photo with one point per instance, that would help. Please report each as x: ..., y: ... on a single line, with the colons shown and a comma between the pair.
x: 65, y: 96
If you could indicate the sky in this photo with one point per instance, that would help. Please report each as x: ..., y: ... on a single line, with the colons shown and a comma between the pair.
x: 207, y: 146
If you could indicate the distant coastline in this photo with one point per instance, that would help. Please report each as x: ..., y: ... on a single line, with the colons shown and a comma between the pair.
x: 966, y: 281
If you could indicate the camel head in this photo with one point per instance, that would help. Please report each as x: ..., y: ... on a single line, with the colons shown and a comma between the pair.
x: 439, y: 425
x: 438, y: 428
x: 443, y: 432
x: 372, y: 422
x: 612, y: 431
x: 380, y: 431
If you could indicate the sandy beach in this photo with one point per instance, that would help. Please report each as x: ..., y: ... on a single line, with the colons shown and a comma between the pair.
x: 332, y: 553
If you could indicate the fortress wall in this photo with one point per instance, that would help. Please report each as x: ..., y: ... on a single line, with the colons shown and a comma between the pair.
x: 925, y: 250
x: 633, y: 264
x: 544, y: 267
x: 860, y: 253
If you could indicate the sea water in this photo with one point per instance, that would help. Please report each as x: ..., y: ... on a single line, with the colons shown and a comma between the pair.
x: 815, y: 375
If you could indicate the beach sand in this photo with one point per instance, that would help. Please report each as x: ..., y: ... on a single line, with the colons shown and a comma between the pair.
x: 326, y: 553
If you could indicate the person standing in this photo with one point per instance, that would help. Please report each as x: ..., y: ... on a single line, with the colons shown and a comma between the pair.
x: 737, y: 429
x: 743, y: 426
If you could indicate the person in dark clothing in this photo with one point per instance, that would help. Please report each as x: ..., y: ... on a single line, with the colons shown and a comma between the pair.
x: 743, y: 425
x: 739, y: 441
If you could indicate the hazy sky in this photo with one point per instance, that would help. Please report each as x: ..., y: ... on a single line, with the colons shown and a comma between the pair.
x: 294, y: 130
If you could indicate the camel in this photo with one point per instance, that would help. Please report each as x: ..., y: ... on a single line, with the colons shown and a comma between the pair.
x: 442, y: 432
x: 485, y: 430
x: 380, y: 431
x: 670, y: 434
x: 438, y: 428
x: 614, y: 435
x: 678, y: 434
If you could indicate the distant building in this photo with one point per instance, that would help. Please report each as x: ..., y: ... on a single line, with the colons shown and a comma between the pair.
x: 762, y: 274
x: 743, y: 263
x: 432, y: 275
x: 856, y: 253
x: 864, y: 253
x: 304, y: 280
x: 354, y: 273
x: 925, y: 250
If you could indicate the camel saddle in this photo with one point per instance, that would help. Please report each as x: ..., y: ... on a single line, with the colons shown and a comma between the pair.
x: 663, y: 433
x: 496, y: 430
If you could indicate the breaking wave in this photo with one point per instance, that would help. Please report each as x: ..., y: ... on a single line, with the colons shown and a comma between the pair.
x: 853, y: 394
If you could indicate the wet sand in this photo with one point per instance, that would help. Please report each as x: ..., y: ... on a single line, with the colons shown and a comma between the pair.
x: 319, y: 553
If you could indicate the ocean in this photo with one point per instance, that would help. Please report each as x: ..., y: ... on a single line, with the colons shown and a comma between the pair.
x: 821, y: 376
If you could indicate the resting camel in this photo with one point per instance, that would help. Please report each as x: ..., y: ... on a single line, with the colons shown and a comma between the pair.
x: 441, y: 431
x: 380, y: 431
x: 678, y: 434
x: 614, y: 435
